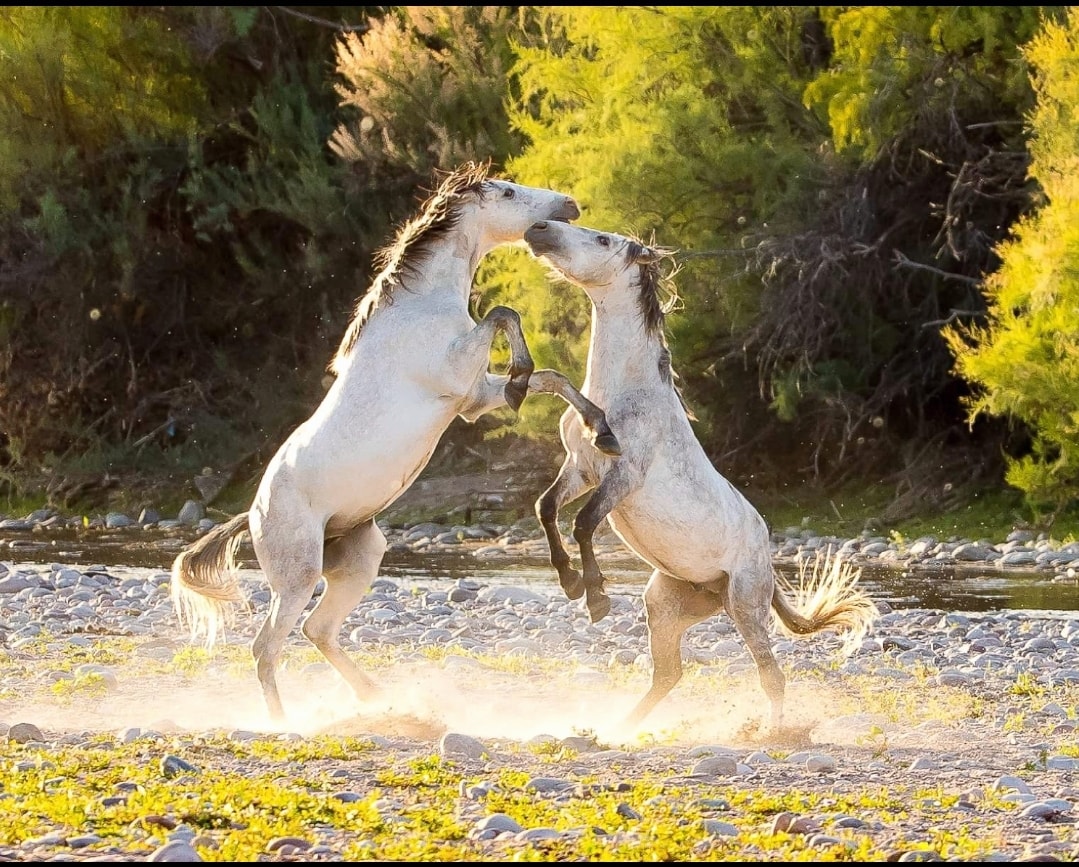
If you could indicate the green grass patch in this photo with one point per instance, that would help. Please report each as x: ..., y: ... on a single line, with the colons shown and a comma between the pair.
x: 412, y: 808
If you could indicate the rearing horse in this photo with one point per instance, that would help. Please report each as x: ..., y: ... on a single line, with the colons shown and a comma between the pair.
x: 411, y: 360
x: 708, y: 546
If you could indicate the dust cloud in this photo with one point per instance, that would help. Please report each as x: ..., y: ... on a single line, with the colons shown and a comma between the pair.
x: 424, y: 699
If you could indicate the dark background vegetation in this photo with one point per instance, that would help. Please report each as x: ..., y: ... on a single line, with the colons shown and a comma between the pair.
x: 191, y: 199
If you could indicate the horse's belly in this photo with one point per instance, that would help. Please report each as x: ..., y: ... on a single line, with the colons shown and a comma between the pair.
x: 668, y: 548
x: 350, y: 468
x: 353, y: 492
x: 692, y: 540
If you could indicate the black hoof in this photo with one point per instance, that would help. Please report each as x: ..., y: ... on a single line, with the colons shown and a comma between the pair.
x: 515, y: 394
x: 599, y: 606
x: 608, y: 444
x: 572, y: 584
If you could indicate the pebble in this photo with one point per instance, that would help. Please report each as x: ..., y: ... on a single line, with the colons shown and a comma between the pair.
x: 1022, y: 549
x: 995, y: 652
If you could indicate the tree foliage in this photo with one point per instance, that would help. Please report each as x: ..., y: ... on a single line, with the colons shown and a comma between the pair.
x: 426, y: 87
x: 835, y: 180
x: 1024, y: 359
x: 80, y: 82
x: 190, y: 199
x: 174, y: 244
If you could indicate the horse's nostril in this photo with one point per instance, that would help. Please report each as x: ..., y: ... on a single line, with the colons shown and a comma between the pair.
x: 540, y: 226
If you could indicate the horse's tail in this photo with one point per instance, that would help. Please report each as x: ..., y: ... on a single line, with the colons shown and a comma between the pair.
x: 204, y: 581
x: 827, y: 596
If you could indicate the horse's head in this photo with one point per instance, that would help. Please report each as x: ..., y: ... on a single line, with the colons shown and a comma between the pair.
x: 483, y: 210
x: 604, y: 263
x: 473, y: 212
x: 615, y: 268
x: 504, y: 210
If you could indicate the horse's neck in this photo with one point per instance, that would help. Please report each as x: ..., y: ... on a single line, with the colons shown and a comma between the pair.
x: 448, y: 269
x: 622, y: 353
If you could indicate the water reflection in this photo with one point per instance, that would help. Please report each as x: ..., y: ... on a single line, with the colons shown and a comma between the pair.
x: 947, y: 589
x: 967, y: 590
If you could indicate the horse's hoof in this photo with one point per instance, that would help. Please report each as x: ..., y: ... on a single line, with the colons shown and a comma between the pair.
x: 608, y: 444
x: 599, y: 607
x: 515, y: 394
x: 572, y: 585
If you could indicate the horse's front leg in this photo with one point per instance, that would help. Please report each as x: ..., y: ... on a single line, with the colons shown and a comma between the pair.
x: 569, y: 485
x: 473, y: 350
x: 619, y: 482
x: 508, y: 321
x: 592, y: 417
x: 490, y: 394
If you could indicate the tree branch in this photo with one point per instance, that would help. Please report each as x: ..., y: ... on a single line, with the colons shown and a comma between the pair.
x: 323, y: 22
x: 954, y: 315
x: 901, y: 259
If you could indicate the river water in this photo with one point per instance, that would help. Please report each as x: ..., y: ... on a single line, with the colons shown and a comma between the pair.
x: 951, y: 589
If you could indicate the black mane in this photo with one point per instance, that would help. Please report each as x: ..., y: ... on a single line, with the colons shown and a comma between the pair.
x: 654, y: 281
x: 438, y: 215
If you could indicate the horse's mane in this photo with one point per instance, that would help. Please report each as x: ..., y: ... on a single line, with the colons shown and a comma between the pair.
x: 437, y: 215
x: 656, y: 280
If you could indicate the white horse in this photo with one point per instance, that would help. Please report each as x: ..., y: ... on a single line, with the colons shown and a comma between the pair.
x: 708, y: 545
x: 411, y: 360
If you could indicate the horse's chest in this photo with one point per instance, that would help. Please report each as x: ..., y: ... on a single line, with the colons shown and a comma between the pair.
x: 434, y: 360
x: 590, y: 463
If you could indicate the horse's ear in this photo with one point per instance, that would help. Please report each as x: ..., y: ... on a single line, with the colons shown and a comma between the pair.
x: 651, y: 255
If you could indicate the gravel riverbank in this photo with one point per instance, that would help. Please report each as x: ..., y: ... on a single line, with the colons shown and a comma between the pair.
x: 944, y: 736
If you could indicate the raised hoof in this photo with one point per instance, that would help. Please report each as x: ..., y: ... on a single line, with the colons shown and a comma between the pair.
x: 515, y: 394
x: 599, y: 606
x: 572, y: 585
x: 608, y: 444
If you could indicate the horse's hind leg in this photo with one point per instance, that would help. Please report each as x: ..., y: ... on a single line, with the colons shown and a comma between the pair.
x: 292, y: 563
x: 750, y: 608
x: 671, y: 607
x: 350, y: 565
x: 569, y: 485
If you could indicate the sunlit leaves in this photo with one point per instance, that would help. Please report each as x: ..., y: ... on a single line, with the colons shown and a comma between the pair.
x: 86, y: 78
x: 425, y: 89
x: 1025, y: 359
x: 892, y: 63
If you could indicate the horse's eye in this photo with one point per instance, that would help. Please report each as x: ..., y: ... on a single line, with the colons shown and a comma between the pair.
x: 603, y: 241
x: 507, y: 193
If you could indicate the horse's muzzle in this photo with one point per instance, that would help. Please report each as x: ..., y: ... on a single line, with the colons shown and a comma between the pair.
x: 567, y: 212
x: 539, y: 239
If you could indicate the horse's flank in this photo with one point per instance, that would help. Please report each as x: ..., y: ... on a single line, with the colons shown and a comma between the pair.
x: 437, y: 216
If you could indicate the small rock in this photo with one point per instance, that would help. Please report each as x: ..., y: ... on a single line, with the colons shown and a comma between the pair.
x: 24, y: 733
x: 177, y: 850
